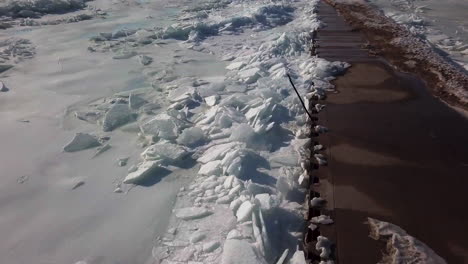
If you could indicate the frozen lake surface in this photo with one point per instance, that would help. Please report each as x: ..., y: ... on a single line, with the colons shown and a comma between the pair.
x: 443, y: 23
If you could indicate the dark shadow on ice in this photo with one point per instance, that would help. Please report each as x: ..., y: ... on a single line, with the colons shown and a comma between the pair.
x: 154, y: 177
x: 250, y: 171
x: 278, y: 137
x: 186, y: 163
x: 261, y: 178
x: 295, y: 195
x: 279, y: 224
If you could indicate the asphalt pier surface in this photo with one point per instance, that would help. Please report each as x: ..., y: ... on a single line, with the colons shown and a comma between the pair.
x: 395, y: 153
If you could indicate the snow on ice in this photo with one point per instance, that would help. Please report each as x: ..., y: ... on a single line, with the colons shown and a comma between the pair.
x: 245, y: 131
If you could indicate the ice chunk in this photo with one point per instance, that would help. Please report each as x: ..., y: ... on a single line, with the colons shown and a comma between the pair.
x: 191, y: 137
x: 190, y: 213
x: 212, y: 100
x: 122, y: 55
x: 250, y: 75
x: 102, y: 149
x: 212, y: 89
x: 143, y: 170
x: 145, y: 60
x: 228, y: 58
x: 228, y: 182
x: 322, y: 219
x: 135, y: 101
x: 216, y: 152
x: 123, y: 33
x: 210, y: 246
x: 182, y: 93
x: 183, y: 255
x: 224, y: 200
x: 210, y: 168
x: 235, y: 65
x: 243, y: 133
x: 197, y: 236
x: 245, y: 211
x: 402, y: 247
x: 122, y: 161
x: 234, y: 234
x: 298, y: 258
x: 324, y: 247
x: 234, y: 206
x: 239, y: 252
x: 166, y: 152
x: 118, y: 115
x: 163, y: 126
x: 264, y: 200
x: 81, y: 141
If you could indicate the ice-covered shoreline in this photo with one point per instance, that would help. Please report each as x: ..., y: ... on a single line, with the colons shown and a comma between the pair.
x: 247, y: 131
x: 205, y: 100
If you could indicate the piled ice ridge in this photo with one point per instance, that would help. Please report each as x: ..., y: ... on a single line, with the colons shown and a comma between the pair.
x: 401, y: 247
x: 14, y: 50
x: 243, y: 134
x: 37, y: 8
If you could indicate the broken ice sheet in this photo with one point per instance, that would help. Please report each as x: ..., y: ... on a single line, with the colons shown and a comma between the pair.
x: 191, y: 213
x: 118, y: 115
x: 81, y: 141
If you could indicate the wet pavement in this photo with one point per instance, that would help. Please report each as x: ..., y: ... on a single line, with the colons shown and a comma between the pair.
x: 395, y: 153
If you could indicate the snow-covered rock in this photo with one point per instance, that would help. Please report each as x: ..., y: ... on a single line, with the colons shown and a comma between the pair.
x: 81, y: 141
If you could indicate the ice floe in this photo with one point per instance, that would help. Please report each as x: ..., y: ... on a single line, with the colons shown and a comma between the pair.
x: 81, y: 141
